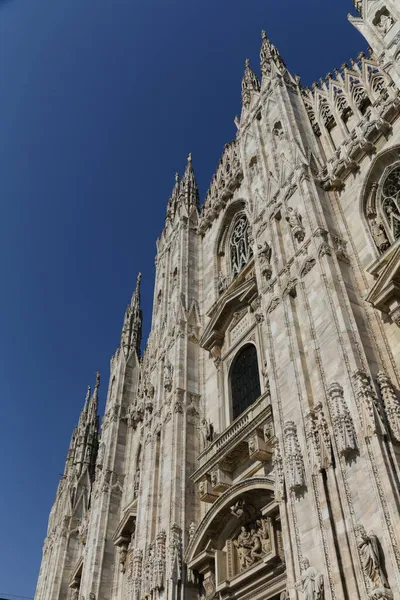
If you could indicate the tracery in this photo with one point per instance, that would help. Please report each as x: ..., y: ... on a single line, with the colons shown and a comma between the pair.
x: 390, y: 201
x: 241, y: 251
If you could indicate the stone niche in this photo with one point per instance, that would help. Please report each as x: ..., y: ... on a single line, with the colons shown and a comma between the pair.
x: 241, y: 549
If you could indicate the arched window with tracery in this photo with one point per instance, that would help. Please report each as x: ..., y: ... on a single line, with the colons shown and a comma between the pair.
x: 383, y: 206
x: 245, y: 380
x: 240, y: 247
x: 390, y: 202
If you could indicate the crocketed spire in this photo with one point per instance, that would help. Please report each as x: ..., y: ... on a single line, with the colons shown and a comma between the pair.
x: 131, y: 336
x: 250, y: 84
x: 189, y: 190
x: 84, y: 441
x: 270, y: 58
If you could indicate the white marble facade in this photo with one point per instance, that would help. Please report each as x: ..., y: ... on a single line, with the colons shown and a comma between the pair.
x: 292, y: 266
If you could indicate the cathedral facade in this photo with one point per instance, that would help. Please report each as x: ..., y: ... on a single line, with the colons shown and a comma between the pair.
x: 253, y: 451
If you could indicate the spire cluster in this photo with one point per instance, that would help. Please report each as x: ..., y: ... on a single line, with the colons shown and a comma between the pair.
x: 271, y: 64
x: 185, y: 191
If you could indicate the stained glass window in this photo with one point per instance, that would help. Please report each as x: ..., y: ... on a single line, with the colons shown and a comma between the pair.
x: 245, y: 380
x: 241, y: 251
x: 390, y: 200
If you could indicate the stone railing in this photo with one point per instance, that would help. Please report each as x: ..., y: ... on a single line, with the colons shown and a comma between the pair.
x: 253, y: 418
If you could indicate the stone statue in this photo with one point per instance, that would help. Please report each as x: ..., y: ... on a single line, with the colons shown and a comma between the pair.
x: 371, y: 560
x: 192, y: 529
x: 136, y: 482
x: 379, y: 235
x: 311, y: 583
x: 264, y: 254
x: 385, y: 23
x: 256, y: 550
x: 222, y: 284
x: 244, y: 548
x: 264, y: 536
x: 168, y: 372
x: 207, y: 433
x: 294, y: 219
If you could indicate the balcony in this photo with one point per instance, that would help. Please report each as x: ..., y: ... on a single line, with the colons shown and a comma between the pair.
x: 247, y: 440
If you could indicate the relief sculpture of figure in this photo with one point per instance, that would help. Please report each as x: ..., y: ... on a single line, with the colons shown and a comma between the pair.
x: 311, y: 583
x: 371, y: 560
x: 244, y: 547
x: 256, y: 550
x: 264, y: 535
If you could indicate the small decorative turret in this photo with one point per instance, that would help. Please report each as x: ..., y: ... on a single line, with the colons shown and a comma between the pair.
x: 250, y: 84
x: 189, y: 191
x: 131, y: 336
x: 270, y: 58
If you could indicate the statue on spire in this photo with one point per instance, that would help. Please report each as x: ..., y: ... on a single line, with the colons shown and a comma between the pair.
x: 250, y: 84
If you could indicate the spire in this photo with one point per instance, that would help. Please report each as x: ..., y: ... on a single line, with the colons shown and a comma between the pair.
x: 131, y: 336
x: 188, y: 189
x: 173, y: 199
x: 250, y: 84
x: 95, y: 398
x: 270, y: 59
x: 84, y: 440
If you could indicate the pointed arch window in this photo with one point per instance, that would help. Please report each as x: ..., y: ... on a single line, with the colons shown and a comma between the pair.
x: 240, y: 247
x: 245, y: 380
x: 390, y: 202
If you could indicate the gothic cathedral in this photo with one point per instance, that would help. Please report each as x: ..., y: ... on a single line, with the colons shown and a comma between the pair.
x: 253, y: 451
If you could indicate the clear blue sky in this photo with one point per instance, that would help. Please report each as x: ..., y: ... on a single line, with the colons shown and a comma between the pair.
x: 100, y: 103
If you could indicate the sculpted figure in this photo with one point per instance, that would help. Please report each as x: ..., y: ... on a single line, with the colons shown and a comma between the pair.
x: 264, y: 253
x: 385, y: 23
x: 207, y: 432
x: 168, y: 371
x: 379, y: 235
x: 371, y: 559
x: 311, y: 583
x: 222, y: 284
x: 264, y: 535
x: 294, y: 219
x: 244, y: 547
x: 136, y: 482
x: 256, y: 550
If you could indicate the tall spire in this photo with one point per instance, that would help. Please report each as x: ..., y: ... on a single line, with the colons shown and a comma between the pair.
x: 84, y: 441
x: 250, y: 84
x: 131, y: 336
x: 270, y: 58
x: 188, y: 189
